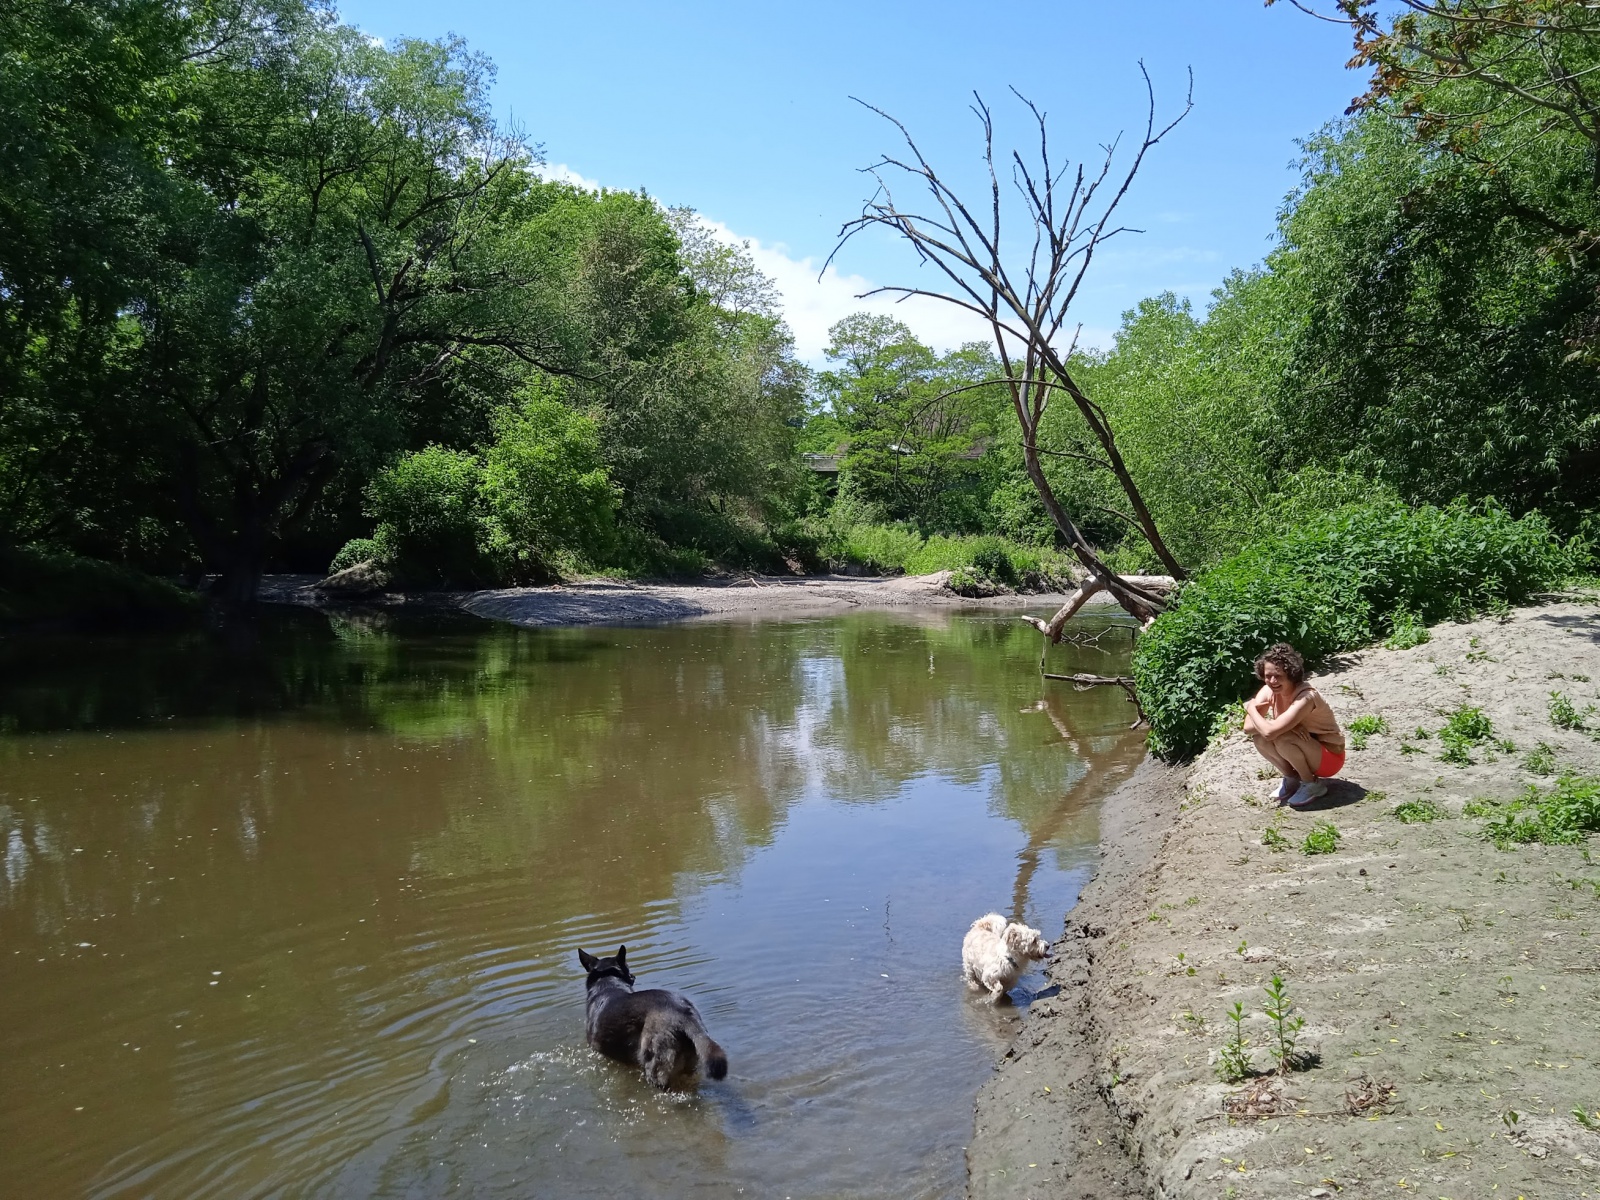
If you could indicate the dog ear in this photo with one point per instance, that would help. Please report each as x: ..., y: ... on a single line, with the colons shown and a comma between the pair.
x: 622, y: 957
x: 589, y: 961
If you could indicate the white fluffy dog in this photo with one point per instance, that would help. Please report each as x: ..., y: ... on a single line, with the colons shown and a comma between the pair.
x: 996, y: 952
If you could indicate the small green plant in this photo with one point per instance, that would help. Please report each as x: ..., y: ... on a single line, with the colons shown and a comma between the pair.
x: 1541, y: 760
x: 1565, y: 715
x: 1364, y: 727
x: 1193, y: 1022
x: 1417, y: 812
x: 1233, y: 1064
x: 1589, y: 1120
x: 1272, y: 838
x: 1184, y: 965
x: 1406, y: 629
x: 1286, y: 1025
x: 1323, y: 839
x: 1465, y: 728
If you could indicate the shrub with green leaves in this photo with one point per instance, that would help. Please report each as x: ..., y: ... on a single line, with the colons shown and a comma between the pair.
x: 356, y: 550
x: 1325, y: 587
x: 545, y: 490
x: 430, y: 516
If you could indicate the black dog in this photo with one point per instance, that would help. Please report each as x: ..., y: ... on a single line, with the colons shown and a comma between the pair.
x: 657, y: 1030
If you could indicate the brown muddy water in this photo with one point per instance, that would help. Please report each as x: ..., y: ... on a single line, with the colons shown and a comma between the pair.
x: 294, y: 909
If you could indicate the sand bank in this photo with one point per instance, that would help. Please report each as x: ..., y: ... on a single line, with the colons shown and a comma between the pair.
x: 609, y: 602
x: 1445, y: 984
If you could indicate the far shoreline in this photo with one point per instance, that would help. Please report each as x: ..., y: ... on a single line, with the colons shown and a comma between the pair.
x: 623, y: 602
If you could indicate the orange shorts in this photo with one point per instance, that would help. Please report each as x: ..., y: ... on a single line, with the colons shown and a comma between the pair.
x: 1331, y: 764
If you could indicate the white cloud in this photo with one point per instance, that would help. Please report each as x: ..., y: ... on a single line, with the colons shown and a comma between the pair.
x: 561, y: 173
x: 814, y: 298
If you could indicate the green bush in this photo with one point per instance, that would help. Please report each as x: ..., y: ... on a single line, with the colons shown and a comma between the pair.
x: 1326, y: 587
x: 885, y: 548
x: 985, y: 559
x: 356, y: 550
x: 545, y: 490
x: 429, y: 507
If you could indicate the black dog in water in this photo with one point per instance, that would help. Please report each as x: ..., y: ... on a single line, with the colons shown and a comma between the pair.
x: 657, y: 1030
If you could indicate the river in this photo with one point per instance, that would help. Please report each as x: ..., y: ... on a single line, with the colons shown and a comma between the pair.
x: 293, y: 908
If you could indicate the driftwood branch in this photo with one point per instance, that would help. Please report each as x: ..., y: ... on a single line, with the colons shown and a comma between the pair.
x: 1082, y: 682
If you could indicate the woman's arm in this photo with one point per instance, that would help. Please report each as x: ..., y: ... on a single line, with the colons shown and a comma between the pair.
x: 1255, y: 710
x: 1286, y: 720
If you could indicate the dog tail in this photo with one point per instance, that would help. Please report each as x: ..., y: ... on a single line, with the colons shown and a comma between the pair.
x: 712, y: 1059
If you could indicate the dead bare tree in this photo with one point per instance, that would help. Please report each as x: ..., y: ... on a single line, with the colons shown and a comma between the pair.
x: 1067, y: 213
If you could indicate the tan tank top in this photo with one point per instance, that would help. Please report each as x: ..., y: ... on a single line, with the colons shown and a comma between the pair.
x: 1320, y: 722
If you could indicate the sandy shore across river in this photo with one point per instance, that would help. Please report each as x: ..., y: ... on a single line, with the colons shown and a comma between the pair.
x: 608, y: 602
x: 1450, y: 989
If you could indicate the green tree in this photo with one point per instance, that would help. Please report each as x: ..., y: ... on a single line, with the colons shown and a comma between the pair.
x: 545, y: 489
x: 917, y: 428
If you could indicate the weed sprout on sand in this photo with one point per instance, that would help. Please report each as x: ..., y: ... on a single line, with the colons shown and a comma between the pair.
x: 1323, y: 839
x: 1589, y: 1120
x: 1417, y: 812
x: 1234, y: 1062
x: 1565, y: 715
x: 1406, y: 630
x: 1286, y: 1026
x: 1465, y: 728
x: 1541, y: 760
x: 1364, y: 727
x: 1563, y: 816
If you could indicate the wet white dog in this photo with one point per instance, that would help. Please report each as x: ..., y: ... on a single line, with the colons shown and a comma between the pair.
x: 996, y: 952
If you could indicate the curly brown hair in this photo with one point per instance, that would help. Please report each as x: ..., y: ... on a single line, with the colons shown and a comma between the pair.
x: 1286, y: 658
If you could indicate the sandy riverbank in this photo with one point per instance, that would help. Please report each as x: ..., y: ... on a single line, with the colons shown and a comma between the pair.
x: 608, y: 602
x: 1423, y: 959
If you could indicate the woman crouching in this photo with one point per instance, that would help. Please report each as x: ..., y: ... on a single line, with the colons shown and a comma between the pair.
x: 1293, y: 727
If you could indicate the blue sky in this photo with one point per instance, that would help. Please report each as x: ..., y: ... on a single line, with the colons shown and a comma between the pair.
x: 743, y: 112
